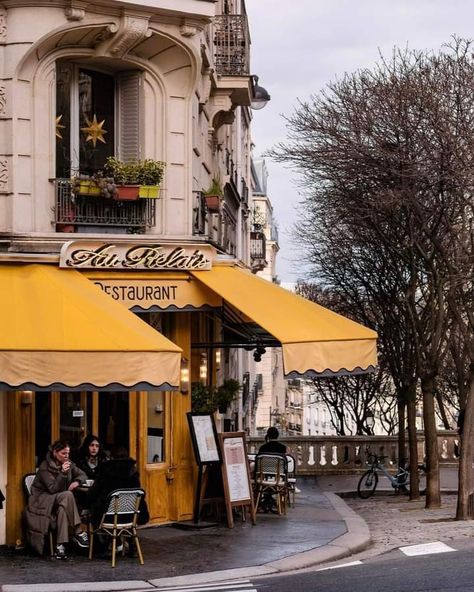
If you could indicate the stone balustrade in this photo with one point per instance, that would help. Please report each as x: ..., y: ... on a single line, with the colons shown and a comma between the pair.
x: 319, y: 455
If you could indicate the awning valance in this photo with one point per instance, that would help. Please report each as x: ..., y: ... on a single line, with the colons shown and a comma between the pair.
x: 60, y: 332
x: 315, y: 340
x: 152, y: 291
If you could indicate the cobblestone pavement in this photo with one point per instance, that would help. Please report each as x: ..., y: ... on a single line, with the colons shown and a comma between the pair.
x: 395, y: 521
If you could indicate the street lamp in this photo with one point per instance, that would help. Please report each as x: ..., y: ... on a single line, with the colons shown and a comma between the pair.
x: 260, y: 95
x: 276, y: 415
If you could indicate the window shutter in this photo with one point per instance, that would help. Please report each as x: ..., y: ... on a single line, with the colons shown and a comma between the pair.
x: 129, y: 117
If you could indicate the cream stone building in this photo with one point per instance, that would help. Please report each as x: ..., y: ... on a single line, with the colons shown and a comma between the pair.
x: 115, y: 300
x: 81, y: 82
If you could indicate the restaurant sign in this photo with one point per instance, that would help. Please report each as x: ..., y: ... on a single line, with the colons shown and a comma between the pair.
x: 99, y: 255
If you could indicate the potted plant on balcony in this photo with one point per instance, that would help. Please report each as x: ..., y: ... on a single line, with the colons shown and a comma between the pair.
x: 95, y: 185
x: 150, y: 175
x: 213, y: 195
x: 208, y: 399
x: 135, y: 179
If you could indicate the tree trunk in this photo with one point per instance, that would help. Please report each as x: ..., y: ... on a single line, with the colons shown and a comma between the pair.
x: 433, y: 495
x: 413, y: 446
x: 465, y: 461
x: 401, y: 404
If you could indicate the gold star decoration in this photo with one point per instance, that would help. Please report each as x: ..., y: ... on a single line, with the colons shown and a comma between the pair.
x: 94, y: 131
x: 59, y: 127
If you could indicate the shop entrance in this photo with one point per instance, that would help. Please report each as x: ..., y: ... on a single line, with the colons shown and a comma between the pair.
x: 113, y: 420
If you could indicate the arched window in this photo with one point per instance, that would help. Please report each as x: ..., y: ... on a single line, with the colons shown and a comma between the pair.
x: 97, y: 115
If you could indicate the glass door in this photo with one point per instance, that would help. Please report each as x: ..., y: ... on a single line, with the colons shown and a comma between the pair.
x: 75, y: 417
x: 114, y: 416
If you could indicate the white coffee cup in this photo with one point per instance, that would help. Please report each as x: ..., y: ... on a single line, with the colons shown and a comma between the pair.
x: 89, y: 482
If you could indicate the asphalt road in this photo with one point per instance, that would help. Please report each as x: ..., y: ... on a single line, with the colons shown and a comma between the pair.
x: 440, y: 572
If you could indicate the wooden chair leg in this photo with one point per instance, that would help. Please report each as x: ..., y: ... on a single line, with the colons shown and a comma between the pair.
x: 91, y: 542
x: 259, y: 493
x: 139, y: 549
x: 51, y: 546
x: 114, y: 547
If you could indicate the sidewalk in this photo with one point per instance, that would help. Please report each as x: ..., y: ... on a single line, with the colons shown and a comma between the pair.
x: 319, y: 528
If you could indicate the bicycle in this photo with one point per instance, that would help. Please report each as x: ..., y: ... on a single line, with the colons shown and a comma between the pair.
x: 369, y: 480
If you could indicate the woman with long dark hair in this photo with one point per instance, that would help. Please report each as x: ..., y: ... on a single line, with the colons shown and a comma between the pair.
x: 90, y: 455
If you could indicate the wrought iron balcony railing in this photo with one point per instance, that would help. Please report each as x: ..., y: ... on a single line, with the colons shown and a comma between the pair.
x: 73, y: 211
x: 231, y: 45
x: 258, y: 250
x: 218, y: 227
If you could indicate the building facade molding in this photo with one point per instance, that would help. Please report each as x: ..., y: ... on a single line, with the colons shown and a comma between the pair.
x: 3, y: 100
x: 4, y: 175
x: 131, y: 30
x: 3, y: 24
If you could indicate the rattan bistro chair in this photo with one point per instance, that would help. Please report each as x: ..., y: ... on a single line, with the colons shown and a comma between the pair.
x: 270, y: 478
x: 120, y: 520
x: 291, y: 479
x: 27, y: 484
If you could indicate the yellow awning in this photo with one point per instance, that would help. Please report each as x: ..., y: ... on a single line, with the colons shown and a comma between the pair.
x: 60, y: 332
x: 315, y: 340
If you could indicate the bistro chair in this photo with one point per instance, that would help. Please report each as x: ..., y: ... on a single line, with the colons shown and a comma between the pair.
x: 270, y: 479
x: 120, y: 520
x: 27, y: 484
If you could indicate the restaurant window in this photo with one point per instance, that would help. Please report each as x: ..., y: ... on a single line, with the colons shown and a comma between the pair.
x: 43, y: 425
x: 97, y: 116
x: 155, y: 427
x: 75, y: 418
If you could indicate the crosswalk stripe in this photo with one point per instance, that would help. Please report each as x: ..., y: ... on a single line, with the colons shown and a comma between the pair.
x: 426, y: 549
x: 227, y: 586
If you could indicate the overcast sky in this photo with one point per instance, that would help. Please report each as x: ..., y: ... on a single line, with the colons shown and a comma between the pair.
x: 300, y: 45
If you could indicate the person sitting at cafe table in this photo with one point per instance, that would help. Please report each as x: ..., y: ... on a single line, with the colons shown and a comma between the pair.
x: 272, y: 445
x: 120, y: 472
x: 52, y: 502
x: 90, y: 455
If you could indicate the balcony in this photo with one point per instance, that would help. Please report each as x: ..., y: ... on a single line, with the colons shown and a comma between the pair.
x: 219, y: 228
x: 258, y: 250
x: 76, y: 213
x: 231, y: 45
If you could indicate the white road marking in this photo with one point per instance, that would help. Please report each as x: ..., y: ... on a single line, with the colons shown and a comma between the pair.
x: 223, y: 586
x: 341, y: 565
x: 426, y: 549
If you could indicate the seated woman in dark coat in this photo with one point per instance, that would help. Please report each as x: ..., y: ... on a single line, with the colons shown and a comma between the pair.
x: 90, y: 455
x: 52, y: 501
x: 118, y: 473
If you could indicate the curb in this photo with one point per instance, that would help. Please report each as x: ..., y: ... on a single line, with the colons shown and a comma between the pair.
x: 354, y: 540
x: 80, y: 587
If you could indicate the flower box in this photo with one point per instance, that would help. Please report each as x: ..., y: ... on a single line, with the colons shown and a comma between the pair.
x: 87, y: 187
x: 212, y: 202
x: 127, y: 192
x: 149, y: 191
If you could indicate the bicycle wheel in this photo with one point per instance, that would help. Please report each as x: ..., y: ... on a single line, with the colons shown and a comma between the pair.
x: 367, y: 484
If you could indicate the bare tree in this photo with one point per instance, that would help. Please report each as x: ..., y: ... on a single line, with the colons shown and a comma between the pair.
x: 386, y: 157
